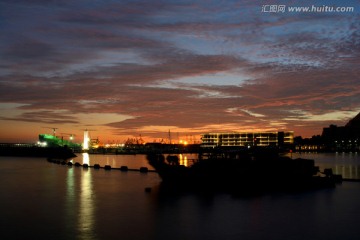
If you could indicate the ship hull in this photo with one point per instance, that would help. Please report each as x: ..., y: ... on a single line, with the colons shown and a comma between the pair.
x: 246, y: 176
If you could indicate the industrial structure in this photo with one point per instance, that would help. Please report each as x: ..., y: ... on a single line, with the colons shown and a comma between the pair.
x: 47, y: 140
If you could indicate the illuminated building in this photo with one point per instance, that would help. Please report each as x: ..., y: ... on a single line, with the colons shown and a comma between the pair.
x: 247, y: 139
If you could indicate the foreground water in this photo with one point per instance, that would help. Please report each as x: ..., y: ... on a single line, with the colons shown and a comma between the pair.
x: 42, y: 200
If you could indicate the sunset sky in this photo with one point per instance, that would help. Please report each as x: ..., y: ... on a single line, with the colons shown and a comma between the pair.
x: 130, y: 68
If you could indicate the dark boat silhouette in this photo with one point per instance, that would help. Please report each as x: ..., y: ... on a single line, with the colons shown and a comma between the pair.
x: 243, y: 172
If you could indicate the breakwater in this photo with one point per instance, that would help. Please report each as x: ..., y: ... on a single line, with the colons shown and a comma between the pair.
x: 98, y: 166
x: 31, y: 150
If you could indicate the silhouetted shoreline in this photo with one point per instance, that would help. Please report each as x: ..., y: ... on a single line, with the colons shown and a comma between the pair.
x: 28, y: 150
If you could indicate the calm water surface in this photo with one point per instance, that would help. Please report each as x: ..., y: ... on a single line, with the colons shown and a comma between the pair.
x: 42, y: 200
x: 346, y: 164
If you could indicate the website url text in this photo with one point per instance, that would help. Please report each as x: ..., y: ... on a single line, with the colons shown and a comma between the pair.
x: 310, y: 9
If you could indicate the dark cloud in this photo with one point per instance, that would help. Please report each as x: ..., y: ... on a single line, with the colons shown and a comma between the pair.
x: 49, y: 117
x: 29, y: 50
x: 132, y: 58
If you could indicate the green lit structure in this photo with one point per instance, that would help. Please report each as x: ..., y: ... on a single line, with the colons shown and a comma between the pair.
x: 53, y: 141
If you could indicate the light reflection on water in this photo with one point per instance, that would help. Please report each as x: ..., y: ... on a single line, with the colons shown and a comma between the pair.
x: 346, y: 164
x: 85, y: 158
x: 42, y: 200
x: 131, y: 161
x: 86, y: 208
x: 79, y: 201
x: 70, y: 203
x: 183, y: 160
x: 115, y: 161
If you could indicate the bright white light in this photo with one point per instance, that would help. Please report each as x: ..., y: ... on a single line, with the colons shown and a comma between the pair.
x: 86, y: 158
x: 86, y: 140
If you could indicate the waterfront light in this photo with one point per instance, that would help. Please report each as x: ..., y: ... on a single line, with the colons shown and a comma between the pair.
x: 42, y: 144
x: 86, y: 140
x: 86, y: 158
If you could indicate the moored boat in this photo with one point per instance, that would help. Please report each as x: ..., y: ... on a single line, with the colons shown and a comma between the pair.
x: 244, y: 172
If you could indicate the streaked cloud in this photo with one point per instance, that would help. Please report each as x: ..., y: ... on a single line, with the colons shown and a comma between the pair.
x: 144, y: 67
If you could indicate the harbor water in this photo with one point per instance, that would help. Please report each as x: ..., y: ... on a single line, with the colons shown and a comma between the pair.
x: 43, y: 200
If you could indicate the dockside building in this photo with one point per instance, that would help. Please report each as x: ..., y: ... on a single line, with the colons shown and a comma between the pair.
x: 247, y: 139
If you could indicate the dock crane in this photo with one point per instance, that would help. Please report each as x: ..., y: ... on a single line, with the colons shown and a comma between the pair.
x: 71, y: 135
x: 53, y: 128
x: 71, y: 138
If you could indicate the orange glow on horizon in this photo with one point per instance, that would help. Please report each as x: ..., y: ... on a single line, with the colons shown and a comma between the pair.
x: 28, y: 132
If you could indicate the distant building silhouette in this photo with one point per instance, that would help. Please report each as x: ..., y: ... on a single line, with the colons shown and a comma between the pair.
x: 344, y: 138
